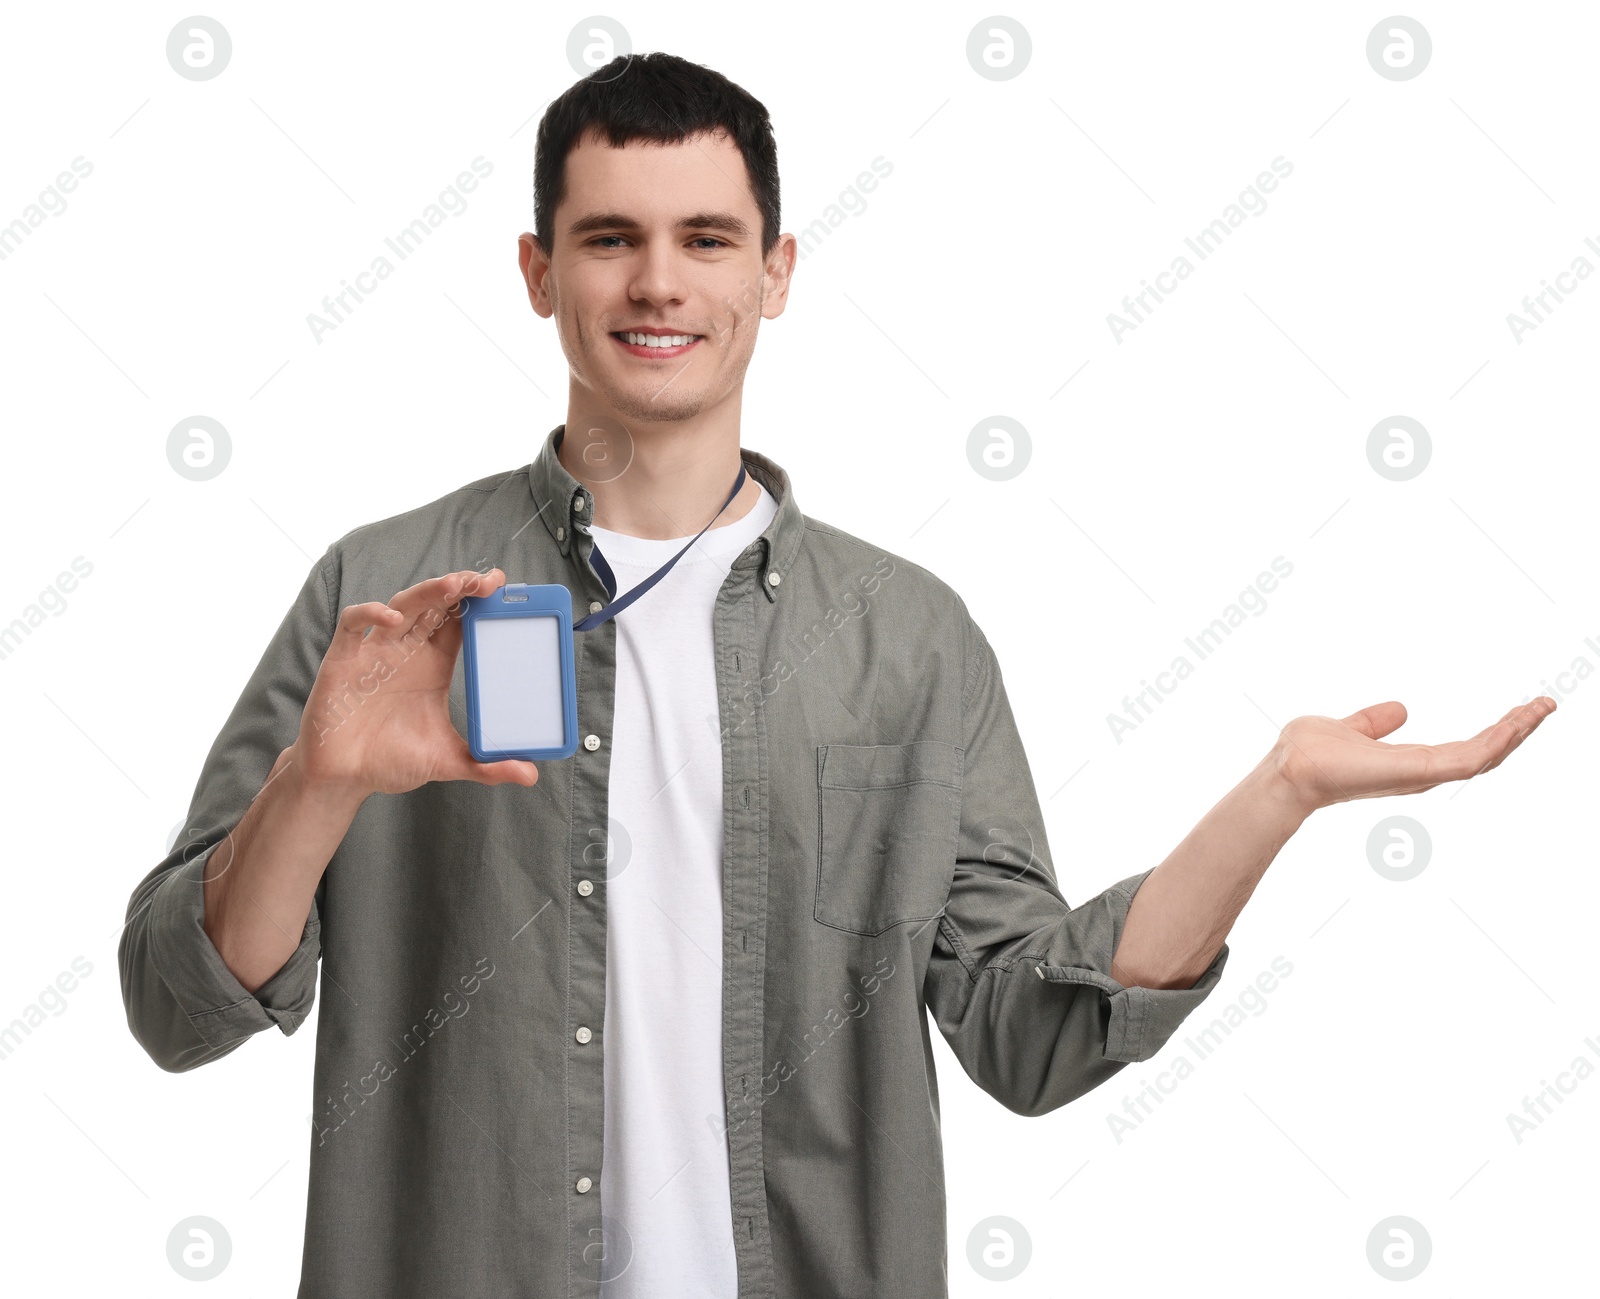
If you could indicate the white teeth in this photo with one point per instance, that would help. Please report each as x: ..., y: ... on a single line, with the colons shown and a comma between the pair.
x: 658, y: 340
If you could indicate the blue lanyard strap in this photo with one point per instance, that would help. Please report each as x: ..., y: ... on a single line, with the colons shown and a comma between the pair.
x: 609, y: 578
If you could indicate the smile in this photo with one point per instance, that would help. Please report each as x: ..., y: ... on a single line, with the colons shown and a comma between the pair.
x: 656, y: 346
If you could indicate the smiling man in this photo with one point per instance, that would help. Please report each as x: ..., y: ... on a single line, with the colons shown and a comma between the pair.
x: 655, y: 1018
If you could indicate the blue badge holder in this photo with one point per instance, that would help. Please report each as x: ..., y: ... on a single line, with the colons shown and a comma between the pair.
x: 522, y: 690
x: 520, y: 671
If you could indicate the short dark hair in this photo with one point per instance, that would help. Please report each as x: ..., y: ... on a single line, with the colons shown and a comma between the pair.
x: 657, y: 97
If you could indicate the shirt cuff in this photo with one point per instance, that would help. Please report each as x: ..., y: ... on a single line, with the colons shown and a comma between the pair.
x: 1142, y: 1019
x: 219, y: 1007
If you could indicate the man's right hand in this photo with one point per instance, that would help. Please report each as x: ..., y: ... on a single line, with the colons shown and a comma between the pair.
x: 378, y: 716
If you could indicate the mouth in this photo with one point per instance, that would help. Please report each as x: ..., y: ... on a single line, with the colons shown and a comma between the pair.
x: 656, y: 347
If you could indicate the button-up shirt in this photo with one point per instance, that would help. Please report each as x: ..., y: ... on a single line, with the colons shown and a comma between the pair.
x: 884, y: 857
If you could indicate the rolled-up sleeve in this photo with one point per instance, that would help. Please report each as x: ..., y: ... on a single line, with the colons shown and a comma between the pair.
x: 184, y: 1006
x: 1019, y: 982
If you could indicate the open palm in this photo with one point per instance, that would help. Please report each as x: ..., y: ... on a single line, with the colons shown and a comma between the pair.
x: 1334, y: 761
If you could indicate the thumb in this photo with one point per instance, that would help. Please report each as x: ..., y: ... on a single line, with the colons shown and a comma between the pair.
x: 511, y: 771
x: 1377, y: 720
x: 459, y: 764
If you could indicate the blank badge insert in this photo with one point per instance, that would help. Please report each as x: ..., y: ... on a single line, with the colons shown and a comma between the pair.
x: 519, y: 683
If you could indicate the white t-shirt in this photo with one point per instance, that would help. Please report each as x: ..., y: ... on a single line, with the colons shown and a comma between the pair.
x: 664, y: 1181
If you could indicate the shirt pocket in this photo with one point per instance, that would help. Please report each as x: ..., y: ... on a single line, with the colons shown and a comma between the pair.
x: 888, y: 824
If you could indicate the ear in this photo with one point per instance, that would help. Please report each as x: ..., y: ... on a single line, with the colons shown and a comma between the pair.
x: 535, y: 267
x: 779, y: 271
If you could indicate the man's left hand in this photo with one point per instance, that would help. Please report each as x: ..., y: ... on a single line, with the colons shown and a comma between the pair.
x: 1329, y: 761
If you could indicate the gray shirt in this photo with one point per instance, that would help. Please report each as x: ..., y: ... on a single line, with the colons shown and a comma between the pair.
x: 884, y: 851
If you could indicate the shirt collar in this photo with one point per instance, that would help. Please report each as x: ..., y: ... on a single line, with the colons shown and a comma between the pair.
x: 566, y: 508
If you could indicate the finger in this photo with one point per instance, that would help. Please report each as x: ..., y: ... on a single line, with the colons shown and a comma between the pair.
x: 1457, y: 760
x: 1464, y: 759
x: 1509, y: 715
x: 459, y: 764
x: 354, y: 620
x: 1506, y: 735
x: 480, y: 584
x: 1518, y: 722
x: 512, y: 771
x: 447, y: 587
x: 1377, y: 720
x: 436, y: 598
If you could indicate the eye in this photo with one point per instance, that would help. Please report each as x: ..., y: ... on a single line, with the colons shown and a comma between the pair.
x: 709, y: 239
x: 603, y: 238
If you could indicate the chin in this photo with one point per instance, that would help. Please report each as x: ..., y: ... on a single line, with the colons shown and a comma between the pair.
x: 642, y: 405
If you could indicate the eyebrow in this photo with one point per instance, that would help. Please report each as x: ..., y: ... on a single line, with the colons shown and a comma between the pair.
x: 723, y: 221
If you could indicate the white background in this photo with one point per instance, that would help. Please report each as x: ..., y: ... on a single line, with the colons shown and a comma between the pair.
x: 1227, y: 429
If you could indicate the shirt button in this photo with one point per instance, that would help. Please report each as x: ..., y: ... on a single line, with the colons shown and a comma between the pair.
x: 595, y: 606
x: 585, y: 888
x: 583, y: 1034
x: 774, y: 578
x: 591, y: 742
x: 561, y: 534
x: 583, y: 1185
x: 577, y: 506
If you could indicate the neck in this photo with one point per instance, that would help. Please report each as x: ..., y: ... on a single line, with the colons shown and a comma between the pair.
x: 656, y: 482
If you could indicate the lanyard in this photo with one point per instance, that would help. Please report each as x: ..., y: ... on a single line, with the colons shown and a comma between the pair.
x: 619, y: 603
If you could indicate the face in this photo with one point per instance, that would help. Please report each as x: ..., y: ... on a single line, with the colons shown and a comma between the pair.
x: 662, y: 241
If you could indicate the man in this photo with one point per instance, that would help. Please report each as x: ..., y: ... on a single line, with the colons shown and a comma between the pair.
x: 653, y: 1017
